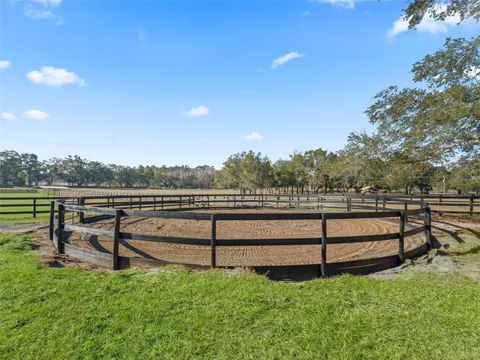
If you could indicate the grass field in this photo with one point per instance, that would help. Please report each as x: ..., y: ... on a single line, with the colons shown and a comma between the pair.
x: 24, y: 218
x: 63, y: 313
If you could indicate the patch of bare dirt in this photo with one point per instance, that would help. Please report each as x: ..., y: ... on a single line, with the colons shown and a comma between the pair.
x: 456, y: 249
x: 48, y: 256
x: 12, y: 228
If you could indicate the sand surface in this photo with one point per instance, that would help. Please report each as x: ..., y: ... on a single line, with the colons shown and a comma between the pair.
x: 249, y: 255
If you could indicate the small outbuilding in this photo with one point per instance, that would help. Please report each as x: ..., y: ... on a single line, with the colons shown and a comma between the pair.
x: 370, y: 189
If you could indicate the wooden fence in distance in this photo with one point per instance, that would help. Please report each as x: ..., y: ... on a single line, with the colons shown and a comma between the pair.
x: 447, y: 204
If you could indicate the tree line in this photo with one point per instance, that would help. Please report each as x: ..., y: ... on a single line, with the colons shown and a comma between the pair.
x: 320, y: 171
x: 27, y: 170
x: 348, y: 170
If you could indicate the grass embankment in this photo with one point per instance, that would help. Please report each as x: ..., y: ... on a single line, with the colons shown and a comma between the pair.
x: 24, y: 198
x: 49, y: 313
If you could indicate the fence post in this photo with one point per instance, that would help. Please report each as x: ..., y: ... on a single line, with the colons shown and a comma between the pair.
x: 401, y: 249
x: 323, y: 263
x: 376, y: 203
x: 52, y: 220
x: 405, y: 208
x: 82, y: 213
x: 60, y: 228
x: 213, y: 242
x: 427, y: 223
x: 471, y: 205
x: 384, y: 203
x: 34, y: 207
x: 116, y: 239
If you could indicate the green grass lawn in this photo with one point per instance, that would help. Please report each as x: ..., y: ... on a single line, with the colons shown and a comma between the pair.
x: 25, y: 199
x: 64, y: 313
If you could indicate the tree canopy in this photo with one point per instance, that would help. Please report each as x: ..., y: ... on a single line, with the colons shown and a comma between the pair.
x: 439, y: 119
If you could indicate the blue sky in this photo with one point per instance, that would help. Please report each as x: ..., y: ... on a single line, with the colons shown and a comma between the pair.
x: 151, y: 82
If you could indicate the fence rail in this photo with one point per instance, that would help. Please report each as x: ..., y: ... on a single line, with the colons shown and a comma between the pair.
x: 323, y: 239
x: 443, y: 203
x: 18, y: 191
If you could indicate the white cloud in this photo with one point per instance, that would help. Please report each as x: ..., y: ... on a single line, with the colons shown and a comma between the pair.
x: 7, y: 116
x: 52, y: 76
x: 348, y: 4
x: 253, y: 136
x: 428, y: 24
x: 4, y: 64
x: 38, y: 14
x: 48, y: 2
x: 35, y: 115
x: 198, y: 111
x: 285, y: 58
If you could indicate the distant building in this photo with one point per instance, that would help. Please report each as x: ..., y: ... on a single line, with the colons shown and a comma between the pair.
x: 370, y: 189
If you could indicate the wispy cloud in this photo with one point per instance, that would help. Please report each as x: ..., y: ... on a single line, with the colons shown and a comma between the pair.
x: 54, y: 141
x: 428, y: 24
x: 347, y: 4
x: 48, y: 2
x: 55, y: 77
x: 201, y: 110
x: 286, y: 58
x: 254, y: 136
x: 35, y: 115
x: 7, y: 116
x: 5, y: 64
x: 38, y: 14
x: 35, y: 12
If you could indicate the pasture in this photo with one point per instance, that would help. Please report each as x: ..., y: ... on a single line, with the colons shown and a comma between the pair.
x: 52, y: 308
x: 22, y: 202
x: 57, y: 313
